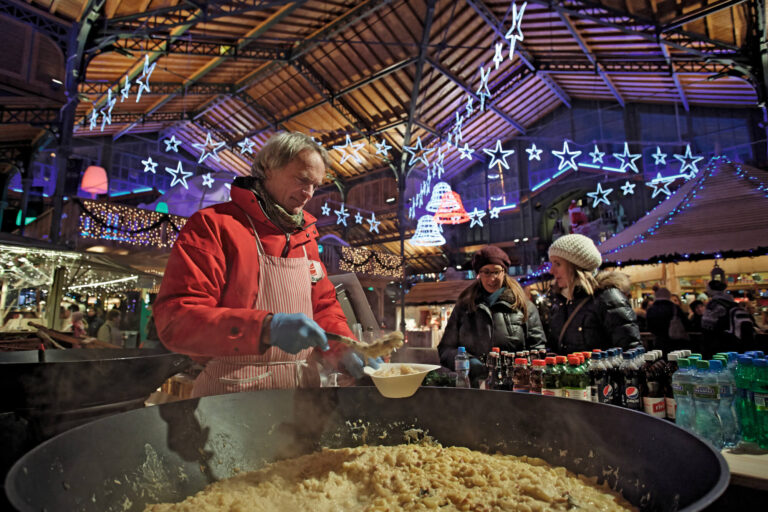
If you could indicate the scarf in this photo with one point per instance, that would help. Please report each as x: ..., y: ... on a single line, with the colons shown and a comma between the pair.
x: 274, y: 212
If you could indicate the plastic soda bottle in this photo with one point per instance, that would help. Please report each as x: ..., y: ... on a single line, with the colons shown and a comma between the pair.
x: 492, y: 362
x: 575, y: 382
x: 760, y: 389
x: 745, y: 403
x: 537, y: 375
x: 705, y: 394
x: 461, y: 365
x: 654, y: 402
x: 521, y: 376
x: 550, y: 384
x: 630, y: 396
x: 669, y: 397
x: 725, y: 410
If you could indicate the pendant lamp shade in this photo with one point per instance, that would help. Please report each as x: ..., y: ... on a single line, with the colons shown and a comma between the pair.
x: 95, y: 180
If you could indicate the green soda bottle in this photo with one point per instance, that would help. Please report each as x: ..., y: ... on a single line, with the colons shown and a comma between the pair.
x: 745, y: 404
x: 760, y: 389
x: 575, y: 382
x: 550, y: 382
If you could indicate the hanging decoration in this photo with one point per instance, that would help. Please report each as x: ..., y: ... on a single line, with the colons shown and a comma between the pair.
x: 106, y: 111
x: 427, y: 232
x: 172, y: 144
x: 660, y: 185
x: 419, y: 150
x: 628, y: 188
x: 466, y: 152
x: 382, y: 148
x: 498, y: 155
x: 441, y: 188
x: 482, y: 92
x: 354, y: 148
x: 143, y: 80
x: 458, y: 126
x: 341, y: 215
x: 494, y: 213
x: 149, y: 165
x: 476, y: 217
x: 515, y: 32
x: 325, y: 209
x: 567, y: 158
x: 659, y: 158
x: 468, y: 109
x: 600, y: 195
x: 373, y: 224
x: 627, y: 159
x: 94, y: 120
x: 355, y: 259
x: 358, y: 218
x: 597, y: 155
x: 534, y: 153
x: 207, y: 180
x: 125, y: 92
x: 689, y: 162
x: 205, y: 152
x: 246, y: 146
x: 451, y: 210
x: 179, y: 175
x: 498, y: 56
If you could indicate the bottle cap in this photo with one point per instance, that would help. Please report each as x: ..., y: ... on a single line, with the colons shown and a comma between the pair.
x: 596, y: 351
x: 539, y: 362
x: 550, y: 360
x: 627, y: 355
x: 597, y: 356
x: 586, y: 355
x: 495, y: 349
x: 521, y: 360
x: 581, y: 357
x: 650, y: 356
x: 672, y: 357
x: 683, y: 362
x: 561, y: 359
x: 696, y: 354
x: 745, y: 360
x: 762, y: 363
x: 716, y: 364
x: 573, y: 360
x: 462, y: 350
x: 702, y: 364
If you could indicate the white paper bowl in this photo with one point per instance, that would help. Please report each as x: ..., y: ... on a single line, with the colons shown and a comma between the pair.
x: 399, y: 386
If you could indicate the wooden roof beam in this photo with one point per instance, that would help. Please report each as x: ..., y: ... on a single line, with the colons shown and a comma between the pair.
x: 675, y: 78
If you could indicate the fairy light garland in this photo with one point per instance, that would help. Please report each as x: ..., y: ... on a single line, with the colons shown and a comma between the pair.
x: 354, y: 259
x: 127, y: 224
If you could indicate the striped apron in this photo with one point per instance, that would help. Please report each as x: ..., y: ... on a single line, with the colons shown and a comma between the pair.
x: 285, y: 286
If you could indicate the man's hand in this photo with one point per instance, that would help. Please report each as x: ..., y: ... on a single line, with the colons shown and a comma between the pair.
x: 293, y: 332
x: 353, y: 363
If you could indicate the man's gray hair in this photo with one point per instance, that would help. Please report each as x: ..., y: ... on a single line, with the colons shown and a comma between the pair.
x: 283, y: 147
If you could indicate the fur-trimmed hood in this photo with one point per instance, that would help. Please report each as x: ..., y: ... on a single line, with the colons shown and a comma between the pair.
x: 614, y: 279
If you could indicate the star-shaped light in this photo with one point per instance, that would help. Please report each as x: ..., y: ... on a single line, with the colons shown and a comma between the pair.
x: 411, y: 214
x: 246, y: 146
x: 511, y: 36
x: 418, y: 148
x: 94, y: 121
x: 126, y: 90
x: 476, y: 217
x: 659, y: 158
x: 627, y: 159
x: 172, y: 144
x: 597, y: 155
x: 325, y: 209
x: 534, y: 153
x: 341, y: 215
x: 468, y: 107
x: 205, y: 152
x: 660, y: 185
x: 143, y: 80
x: 482, y: 92
x: 382, y: 148
x: 466, y: 152
x: 373, y: 224
x: 498, y: 57
x: 106, y: 111
x: 149, y: 165
x: 358, y: 218
x: 207, y: 180
x: 628, y: 188
x: 498, y: 155
x: 600, y: 195
x: 567, y: 158
x: 494, y: 212
x: 354, y: 148
x: 458, y: 126
x: 689, y: 162
x: 179, y: 175
x: 437, y: 165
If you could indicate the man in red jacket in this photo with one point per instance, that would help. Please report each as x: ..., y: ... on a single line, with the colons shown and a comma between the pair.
x: 244, y: 289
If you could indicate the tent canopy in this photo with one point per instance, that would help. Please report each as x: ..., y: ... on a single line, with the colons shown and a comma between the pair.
x: 719, y: 213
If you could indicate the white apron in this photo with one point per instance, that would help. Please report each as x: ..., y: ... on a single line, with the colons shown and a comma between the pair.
x: 285, y: 286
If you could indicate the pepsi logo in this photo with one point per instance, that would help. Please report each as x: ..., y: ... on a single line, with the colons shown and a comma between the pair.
x: 608, y: 391
x: 632, y: 392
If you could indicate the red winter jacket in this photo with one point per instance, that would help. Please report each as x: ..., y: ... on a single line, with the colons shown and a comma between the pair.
x: 211, y: 281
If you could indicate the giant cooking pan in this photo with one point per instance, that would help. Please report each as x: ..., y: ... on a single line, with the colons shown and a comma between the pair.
x: 167, y: 452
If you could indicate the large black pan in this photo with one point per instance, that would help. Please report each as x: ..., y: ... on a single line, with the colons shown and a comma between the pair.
x: 167, y: 452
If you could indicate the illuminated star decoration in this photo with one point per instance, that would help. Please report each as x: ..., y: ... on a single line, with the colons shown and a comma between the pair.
x: 353, y: 152
x: 341, y: 215
x: 172, y: 144
x: 149, y: 165
x: 498, y: 155
x: 457, y: 127
x: 476, y: 217
x: 568, y: 162
x: 600, y: 195
x: 466, y: 152
x: 517, y: 18
x: 382, y: 148
x: 494, y: 213
x: 627, y: 159
x: 143, y: 80
x: 94, y: 122
x: 205, y: 152
x: 689, y: 162
x: 246, y: 146
x: 207, y: 180
x: 628, y: 188
x: 126, y: 90
x: 660, y: 185
x: 482, y: 91
x: 468, y: 108
x: 179, y: 175
x: 374, y: 224
x: 534, y: 153
x: 498, y: 58
x: 597, y: 155
x: 437, y: 165
x: 358, y: 218
x: 659, y: 158
x: 106, y: 111
x: 418, y: 148
x: 326, y: 209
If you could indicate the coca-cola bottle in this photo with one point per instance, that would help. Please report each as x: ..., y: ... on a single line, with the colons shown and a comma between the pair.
x: 631, y: 383
x: 652, y: 388
x: 491, y: 364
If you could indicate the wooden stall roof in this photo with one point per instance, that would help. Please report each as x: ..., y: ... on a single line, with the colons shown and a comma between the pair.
x: 441, y: 292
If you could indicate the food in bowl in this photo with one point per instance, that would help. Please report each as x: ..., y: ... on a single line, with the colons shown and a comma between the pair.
x: 403, y: 477
x: 399, y: 380
x: 394, y: 371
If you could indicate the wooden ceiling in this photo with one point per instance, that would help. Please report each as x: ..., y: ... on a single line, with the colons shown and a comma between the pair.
x: 396, y: 70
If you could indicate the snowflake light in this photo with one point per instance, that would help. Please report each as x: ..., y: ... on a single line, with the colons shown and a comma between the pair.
x: 534, y: 153
x: 149, y: 165
x: 628, y: 188
x: 419, y: 150
x: 689, y: 162
x: 567, y: 158
x: 353, y: 149
x: 179, y: 175
x: 205, y: 152
x: 600, y: 195
x: 597, y: 155
x: 143, y: 80
x: 246, y: 146
x: 341, y: 215
x: 207, y: 180
x: 172, y: 144
x: 659, y: 158
x: 373, y: 224
x: 627, y: 159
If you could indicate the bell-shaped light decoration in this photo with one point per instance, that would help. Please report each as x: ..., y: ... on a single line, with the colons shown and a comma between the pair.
x: 451, y: 210
x: 441, y: 188
x: 427, y: 232
x: 95, y: 180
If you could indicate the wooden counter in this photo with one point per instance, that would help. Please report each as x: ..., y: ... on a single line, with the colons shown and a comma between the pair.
x: 748, y: 465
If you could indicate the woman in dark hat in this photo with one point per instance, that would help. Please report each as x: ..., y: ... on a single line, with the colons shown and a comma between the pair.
x: 491, y: 312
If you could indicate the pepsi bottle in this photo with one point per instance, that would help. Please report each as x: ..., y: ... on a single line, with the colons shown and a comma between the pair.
x: 631, y: 383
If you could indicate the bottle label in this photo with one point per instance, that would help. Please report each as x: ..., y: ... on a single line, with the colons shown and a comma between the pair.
x: 632, y: 398
x: 552, y: 392
x: 577, y: 393
x: 606, y: 394
x: 677, y: 388
x: 726, y: 391
x: 461, y: 365
x: 656, y: 407
x: 761, y: 402
x: 704, y: 392
x: 671, y: 408
x: 593, y: 393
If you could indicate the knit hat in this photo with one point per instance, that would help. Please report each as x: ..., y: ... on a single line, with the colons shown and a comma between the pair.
x: 577, y: 249
x: 490, y: 255
x: 715, y: 286
x: 663, y: 293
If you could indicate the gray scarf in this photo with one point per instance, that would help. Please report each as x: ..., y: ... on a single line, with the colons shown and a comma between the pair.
x: 274, y: 212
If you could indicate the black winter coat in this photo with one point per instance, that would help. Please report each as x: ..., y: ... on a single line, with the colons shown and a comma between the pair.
x: 499, y: 325
x: 659, y: 316
x: 605, y: 320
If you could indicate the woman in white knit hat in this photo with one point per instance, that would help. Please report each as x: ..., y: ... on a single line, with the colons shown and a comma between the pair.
x: 588, y: 310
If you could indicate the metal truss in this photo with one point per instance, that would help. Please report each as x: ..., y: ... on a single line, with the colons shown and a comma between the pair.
x: 633, y: 67
x: 163, y: 88
x: 141, y: 118
x: 33, y: 116
x: 166, y: 45
x: 261, y: 112
x: 48, y: 24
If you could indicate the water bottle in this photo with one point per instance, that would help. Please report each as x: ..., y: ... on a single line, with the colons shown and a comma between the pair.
x: 745, y: 403
x: 705, y: 395
x: 682, y: 389
x: 461, y: 365
x: 760, y: 389
x: 725, y: 410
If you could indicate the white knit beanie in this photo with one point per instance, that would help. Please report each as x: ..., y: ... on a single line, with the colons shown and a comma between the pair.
x: 578, y: 249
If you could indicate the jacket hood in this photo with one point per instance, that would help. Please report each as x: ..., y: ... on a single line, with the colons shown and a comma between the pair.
x: 614, y: 279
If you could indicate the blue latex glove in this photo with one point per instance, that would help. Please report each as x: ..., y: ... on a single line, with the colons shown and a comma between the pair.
x: 293, y: 332
x: 353, y: 363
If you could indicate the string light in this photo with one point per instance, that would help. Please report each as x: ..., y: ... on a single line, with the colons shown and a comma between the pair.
x: 355, y: 259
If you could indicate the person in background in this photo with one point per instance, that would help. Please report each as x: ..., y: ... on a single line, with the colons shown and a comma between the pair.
x: 697, y: 312
x: 589, y: 310
x: 65, y: 319
x: 110, y: 331
x: 494, y: 311
x: 78, y: 325
x: 94, y: 321
x: 660, y: 317
x: 152, y: 340
x: 641, y: 313
x: 245, y: 291
x: 725, y: 324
